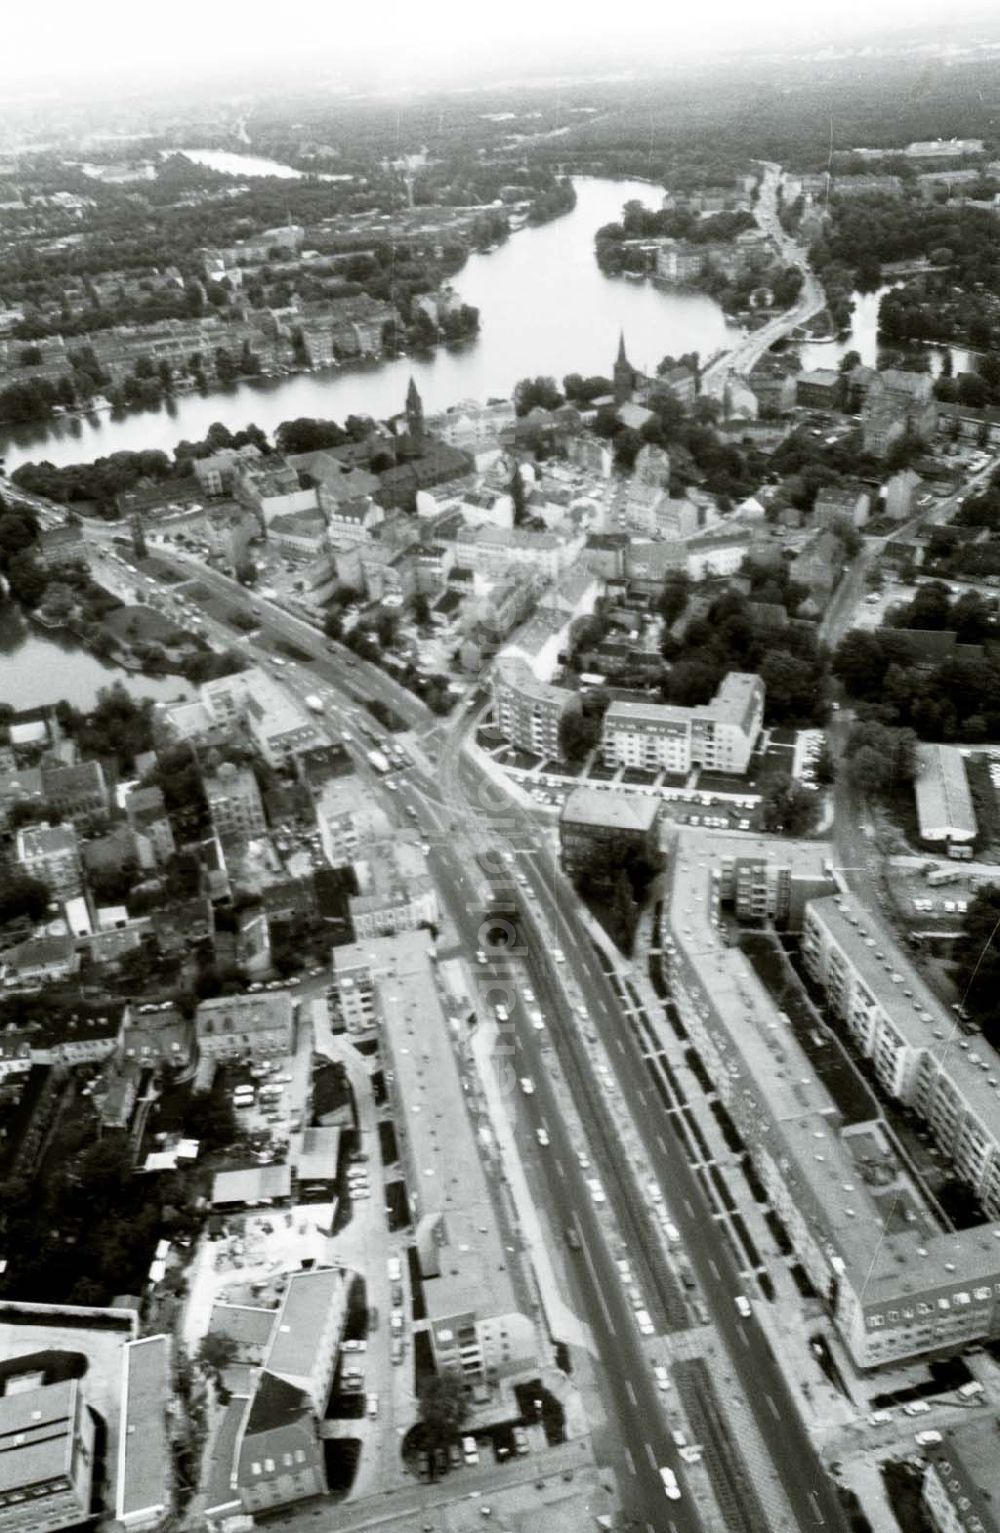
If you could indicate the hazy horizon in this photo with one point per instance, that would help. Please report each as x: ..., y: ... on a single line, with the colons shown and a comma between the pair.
x: 68, y: 50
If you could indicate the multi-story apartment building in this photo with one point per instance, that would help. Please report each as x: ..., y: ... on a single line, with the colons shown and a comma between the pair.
x: 146, y: 811
x: 474, y: 1325
x: 952, y: 1083
x: 232, y: 1025
x: 600, y: 829
x: 898, y: 1284
x: 251, y: 699
x: 396, y: 893
x: 528, y: 712
x: 234, y: 802
x: 51, y: 853
x: 719, y: 735
x: 960, y: 1481
x: 47, y: 1440
x: 773, y: 882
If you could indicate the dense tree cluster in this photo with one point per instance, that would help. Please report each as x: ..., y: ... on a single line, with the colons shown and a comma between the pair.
x: 957, y: 698
x: 118, y: 726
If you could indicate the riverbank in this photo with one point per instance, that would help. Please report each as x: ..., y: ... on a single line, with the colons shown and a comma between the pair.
x: 41, y: 665
x: 546, y: 309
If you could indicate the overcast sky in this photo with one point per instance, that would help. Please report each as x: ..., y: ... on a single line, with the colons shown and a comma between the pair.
x: 397, y: 41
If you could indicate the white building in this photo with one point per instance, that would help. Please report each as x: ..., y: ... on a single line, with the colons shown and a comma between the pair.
x: 719, y: 735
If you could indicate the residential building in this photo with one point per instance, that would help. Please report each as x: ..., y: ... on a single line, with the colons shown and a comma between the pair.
x: 279, y: 727
x: 144, y: 1489
x: 267, y: 1453
x: 306, y: 1337
x: 484, y: 507
x: 228, y: 1026
x: 897, y: 1282
x: 664, y: 737
x: 838, y: 501
x: 819, y: 389
x: 51, y: 853
x: 270, y: 487
x: 396, y: 892
x: 474, y: 1325
x: 867, y: 186
x: 943, y: 148
x: 906, y: 1032
x: 599, y: 829
x: 979, y: 425
x: 48, y: 1456
x: 39, y: 961
x: 234, y: 803
x: 775, y: 881
x: 945, y: 809
x: 348, y: 819
x: 146, y: 811
x: 960, y: 1481
x: 471, y: 426
x: 157, y: 1035
x: 298, y: 535
x: 496, y: 550
x: 900, y: 494
x: 528, y: 712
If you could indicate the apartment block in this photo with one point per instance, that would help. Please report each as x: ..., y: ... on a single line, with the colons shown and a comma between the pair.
x: 951, y: 1081
x: 897, y: 1282
x: 664, y: 737
x: 229, y: 1026
x: 599, y: 828
x: 528, y: 712
x: 252, y: 700
x: 46, y: 1457
x: 51, y: 853
x: 234, y: 803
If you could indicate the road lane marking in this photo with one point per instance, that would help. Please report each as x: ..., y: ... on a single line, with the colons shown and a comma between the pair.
x: 773, y: 1408
x: 652, y: 1457
x: 559, y: 1168
x: 690, y: 1210
x: 594, y: 1278
x: 662, y: 1143
x: 630, y: 1391
x: 715, y: 1271
x: 815, y: 1507
x: 630, y: 1461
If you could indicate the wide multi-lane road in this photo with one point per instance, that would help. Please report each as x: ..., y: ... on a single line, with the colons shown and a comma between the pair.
x: 807, y: 1486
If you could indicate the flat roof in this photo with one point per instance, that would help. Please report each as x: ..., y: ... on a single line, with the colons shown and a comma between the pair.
x: 301, y: 1320
x: 36, y: 1434
x: 314, y: 1153
x: 447, y: 1174
x: 912, y: 1008
x: 826, y: 1159
x: 942, y: 791
x: 144, y: 1467
x: 621, y: 811
x: 252, y: 1184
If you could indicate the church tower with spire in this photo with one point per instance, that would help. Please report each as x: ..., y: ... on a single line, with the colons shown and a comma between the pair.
x: 623, y: 375
x: 414, y: 413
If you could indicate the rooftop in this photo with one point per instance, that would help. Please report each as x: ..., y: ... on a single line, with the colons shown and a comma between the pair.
x: 36, y: 1434
x: 449, y: 1185
x: 301, y: 1321
x: 942, y: 790
x: 145, y: 1463
x: 592, y: 806
x: 252, y: 1184
x: 966, y: 1462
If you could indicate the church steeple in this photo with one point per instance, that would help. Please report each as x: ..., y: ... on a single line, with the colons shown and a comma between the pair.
x: 414, y: 412
x: 624, y: 375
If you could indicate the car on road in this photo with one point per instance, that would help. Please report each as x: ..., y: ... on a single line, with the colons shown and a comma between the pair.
x: 372, y: 1406
x: 596, y: 1190
x: 584, y: 1165
x: 470, y: 1450
x: 542, y: 1135
x: 521, y: 1444
x: 928, y: 1438
x: 670, y: 1485
x: 879, y: 1418
x: 527, y: 1085
x: 671, y: 1231
x: 536, y: 1020
x: 917, y: 1408
x: 743, y: 1305
x: 573, y: 1239
x: 661, y: 1376
x: 480, y: 956
x: 353, y: 1346
x: 644, y: 1322
x: 558, y: 955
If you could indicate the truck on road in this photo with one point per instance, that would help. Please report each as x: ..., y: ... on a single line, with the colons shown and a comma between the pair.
x: 379, y: 761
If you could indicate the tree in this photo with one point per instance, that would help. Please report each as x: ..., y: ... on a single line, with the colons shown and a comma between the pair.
x: 977, y: 961
x: 443, y: 1405
x: 216, y: 1353
x: 518, y: 496
x: 579, y: 733
x: 421, y: 610
x: 22, y: 895
x: 674, y: 596
x: 536, y: 393
x: 787, y: 806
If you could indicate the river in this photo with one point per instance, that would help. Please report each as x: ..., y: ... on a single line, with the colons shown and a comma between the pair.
x: 863, y: 338
x: 38, y: 666
x: 545, y: 307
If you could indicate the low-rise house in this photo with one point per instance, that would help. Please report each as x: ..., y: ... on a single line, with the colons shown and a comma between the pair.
x: 234, y: 803
x: 819, y: 389
x: 62, y: 547
x: 39, y: 961
x: 157, y: 1035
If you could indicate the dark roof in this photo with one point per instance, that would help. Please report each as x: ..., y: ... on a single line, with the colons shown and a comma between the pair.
x: 275, y: 1404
